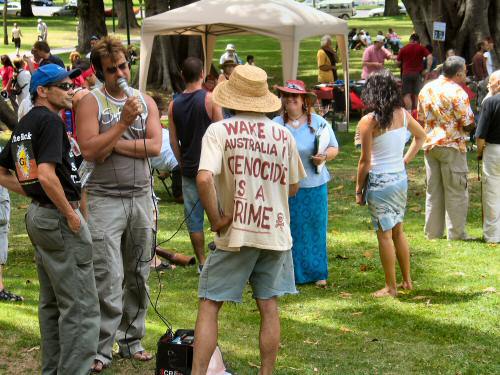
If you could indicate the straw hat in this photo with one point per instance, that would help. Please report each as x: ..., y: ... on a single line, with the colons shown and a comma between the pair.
x: 246, y: 90
x: 230, y: 47
x: 295, y: 86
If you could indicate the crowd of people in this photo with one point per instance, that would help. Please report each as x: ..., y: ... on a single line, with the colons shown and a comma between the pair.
x: 262, y: 183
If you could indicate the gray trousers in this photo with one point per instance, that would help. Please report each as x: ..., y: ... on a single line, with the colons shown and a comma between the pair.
x: 68, y: 308
x: 447, y: 198
x: 491, y: 196
x: 121, y: 231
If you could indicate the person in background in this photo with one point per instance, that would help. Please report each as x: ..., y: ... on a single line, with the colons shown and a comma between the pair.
x: 230, y: 54
x: 257, y: 250
x: 250, y: 60
x: 309, y: 207
x: 93, y: 40
x: 488, y: 150
x: 5, y: 295
x: 382, y: 178
x: 479, y: 69
x: 350, y: 37
x: 42, y: 55
x: 190, y: 114
x: 445, y: 112
x: 42, y: 30
x: 210, y: 83
x: 374, y: 57
x: 22, y: 78
x: 227, y: 67
x: 489, y: 59
x: 74, y: 58
x: 410, y: 58
x: 7, y: 73
x: 393, y: 40
x: 326, y: 61
x: 16, y: 37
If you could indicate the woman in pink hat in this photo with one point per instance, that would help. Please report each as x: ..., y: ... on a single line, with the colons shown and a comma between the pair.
x: 309, y: 208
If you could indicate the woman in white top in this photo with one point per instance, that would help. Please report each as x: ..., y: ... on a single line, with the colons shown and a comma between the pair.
x: 16, y: 37
x: 382, y: 173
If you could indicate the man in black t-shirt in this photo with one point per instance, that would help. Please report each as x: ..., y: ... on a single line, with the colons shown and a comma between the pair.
x: 488, y: 149
x: 39, y: 153
x: 41, y: 52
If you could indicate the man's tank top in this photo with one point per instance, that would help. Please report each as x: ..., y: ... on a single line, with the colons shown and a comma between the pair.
x: 191, y: 121
x: 120, y: 175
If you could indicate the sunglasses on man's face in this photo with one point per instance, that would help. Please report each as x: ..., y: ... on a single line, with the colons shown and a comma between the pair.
x: 114, y: 69
x: 66, y: 86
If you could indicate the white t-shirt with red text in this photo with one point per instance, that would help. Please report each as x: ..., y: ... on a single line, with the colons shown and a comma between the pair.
x: 254, y: 160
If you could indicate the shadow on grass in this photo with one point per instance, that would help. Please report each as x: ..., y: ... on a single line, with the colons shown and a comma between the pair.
x: 421, y: 296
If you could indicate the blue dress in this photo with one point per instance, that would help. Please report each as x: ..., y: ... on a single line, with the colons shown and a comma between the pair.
x: 309, y: 208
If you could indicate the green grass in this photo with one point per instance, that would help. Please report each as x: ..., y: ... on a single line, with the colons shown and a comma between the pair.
x: 62, y: 32
x: 448, y: 325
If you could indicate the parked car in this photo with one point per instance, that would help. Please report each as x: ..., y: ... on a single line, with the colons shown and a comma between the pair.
x: 13, y: 9
x: 108, y: 11
x: 42, y: 3
x: 379, y: 12
x: 342, y: 9
x: 67, y: 10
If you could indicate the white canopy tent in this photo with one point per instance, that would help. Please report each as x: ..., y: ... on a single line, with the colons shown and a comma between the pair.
x: 285, y: 20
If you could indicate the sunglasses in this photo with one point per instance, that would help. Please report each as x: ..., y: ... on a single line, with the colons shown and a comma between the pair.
x: 114, y: 69
x: 66, y: 86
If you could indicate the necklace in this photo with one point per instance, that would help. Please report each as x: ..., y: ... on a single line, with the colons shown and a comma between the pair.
x: 112, y: 97
x: 295, y: 121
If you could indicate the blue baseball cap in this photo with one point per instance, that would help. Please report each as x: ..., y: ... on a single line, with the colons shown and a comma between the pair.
x: 50, y: 73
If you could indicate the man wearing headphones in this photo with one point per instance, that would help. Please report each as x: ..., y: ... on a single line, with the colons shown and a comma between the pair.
x: 119, y: 131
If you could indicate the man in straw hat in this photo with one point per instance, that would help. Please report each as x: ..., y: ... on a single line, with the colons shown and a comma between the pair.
x: 249, y: 166
x: 227, y: 67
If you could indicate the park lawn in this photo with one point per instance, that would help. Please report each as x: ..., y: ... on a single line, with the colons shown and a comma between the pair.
x: 447, y: 325
x: 62, y: 33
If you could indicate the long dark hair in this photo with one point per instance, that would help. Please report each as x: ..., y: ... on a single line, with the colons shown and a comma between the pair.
x: 5, y: 59
x: 382, y: 96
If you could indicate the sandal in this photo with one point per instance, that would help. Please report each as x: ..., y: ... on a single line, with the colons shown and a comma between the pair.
x: 5, y: 295
x: 97, y: 366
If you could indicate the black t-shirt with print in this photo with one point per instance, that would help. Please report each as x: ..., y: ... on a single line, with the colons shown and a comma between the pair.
x: 40, y: 137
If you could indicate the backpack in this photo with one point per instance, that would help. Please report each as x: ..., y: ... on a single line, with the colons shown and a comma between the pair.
x: 16, y: 88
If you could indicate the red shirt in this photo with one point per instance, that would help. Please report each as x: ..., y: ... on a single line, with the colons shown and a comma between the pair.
x: 7, y: 74
x: 412, y: 56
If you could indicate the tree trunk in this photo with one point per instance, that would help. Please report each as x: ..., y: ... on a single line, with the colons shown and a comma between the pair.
x: 7, y: 115
x: 26, y: 10
x: 467, y: 23
x: 164, y: 69
x: 391, y: 8
x: 122, y: 15
x: 91, y: 22
x: 5, y: 32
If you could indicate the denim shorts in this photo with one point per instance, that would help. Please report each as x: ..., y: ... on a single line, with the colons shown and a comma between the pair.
x: 226, y: 273
x: 193, y: 209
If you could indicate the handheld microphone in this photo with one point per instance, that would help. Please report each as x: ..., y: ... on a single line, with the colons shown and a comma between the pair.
x: 123, y: 84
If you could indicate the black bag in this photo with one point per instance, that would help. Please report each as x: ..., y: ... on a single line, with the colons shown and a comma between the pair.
x: 174, y: 356
x: 16, y: 89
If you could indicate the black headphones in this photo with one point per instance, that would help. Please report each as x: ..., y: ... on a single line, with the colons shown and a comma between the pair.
x: 95, y: 60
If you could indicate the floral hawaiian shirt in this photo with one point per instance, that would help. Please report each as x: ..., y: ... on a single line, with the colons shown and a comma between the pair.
x: 444, y: 109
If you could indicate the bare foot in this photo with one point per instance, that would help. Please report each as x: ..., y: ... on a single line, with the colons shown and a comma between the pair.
x: 385, y: 292
x: 406, y: 285
x: 321, y: 284
x: 142, y: 356
x: 97, y: 366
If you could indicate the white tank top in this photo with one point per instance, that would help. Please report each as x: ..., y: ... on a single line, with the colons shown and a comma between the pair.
x: 387, y: 150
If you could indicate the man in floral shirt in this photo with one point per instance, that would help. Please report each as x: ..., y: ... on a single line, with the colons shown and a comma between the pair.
x: 444, y: 110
